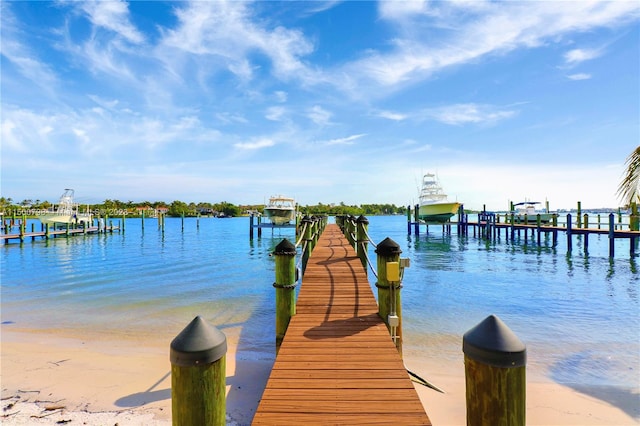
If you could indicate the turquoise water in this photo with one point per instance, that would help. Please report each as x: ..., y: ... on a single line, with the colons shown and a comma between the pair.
x: 578, y: 314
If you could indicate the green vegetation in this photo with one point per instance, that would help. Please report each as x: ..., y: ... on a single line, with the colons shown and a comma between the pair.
x: 179, y: 208
x: 629, y: 188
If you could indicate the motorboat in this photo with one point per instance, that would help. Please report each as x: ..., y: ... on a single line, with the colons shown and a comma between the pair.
x: 66, y: 211
x: 280, y: 210
x: 435, y: 206
x: 531, y: 211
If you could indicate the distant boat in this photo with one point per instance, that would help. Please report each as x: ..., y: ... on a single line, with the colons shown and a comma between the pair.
x: 66, y: 211
x: 280, y: 210
x: 434, y: 204
x: 529, y: 209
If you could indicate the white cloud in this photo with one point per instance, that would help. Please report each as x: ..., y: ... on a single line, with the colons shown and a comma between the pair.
x: 114, y: 16
x: 579, y: 76
x: 319, y: 115
x: 436, y: 35
x: 225, y: 30
x: 349, y: 140
x: 392, y: 115
x: 468, y: 113
x: 258, y: 144
x: 275, y: 113
x: 577, y: 56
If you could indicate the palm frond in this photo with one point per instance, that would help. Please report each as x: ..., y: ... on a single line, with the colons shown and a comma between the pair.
x: 629, y: 188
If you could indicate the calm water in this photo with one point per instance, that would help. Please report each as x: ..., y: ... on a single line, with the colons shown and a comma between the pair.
x: 578, y: 314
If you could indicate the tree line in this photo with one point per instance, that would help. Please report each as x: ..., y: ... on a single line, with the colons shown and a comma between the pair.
x: 180, y: 208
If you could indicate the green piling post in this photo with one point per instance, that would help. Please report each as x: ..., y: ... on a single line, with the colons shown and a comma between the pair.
x: 142, y: 221
x: 285, y: 257
x: 495, y: 363
x: 585, y: 223
x: 308, y: 238
x: 634, y: 222
x: 198, y: 376
x: 362, y: 244
x: 579, y: 215
x: 389, y: 301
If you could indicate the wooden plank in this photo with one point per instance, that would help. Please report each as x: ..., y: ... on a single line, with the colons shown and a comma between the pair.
x: 337, y: 364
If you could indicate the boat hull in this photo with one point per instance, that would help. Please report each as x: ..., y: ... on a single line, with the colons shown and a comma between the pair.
x: 437, y: 212
x: 280, y: 216
x: 54, y: 218
x: 533, y: 218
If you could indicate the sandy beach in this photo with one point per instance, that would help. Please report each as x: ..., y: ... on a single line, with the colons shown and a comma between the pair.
x: 62, y: 377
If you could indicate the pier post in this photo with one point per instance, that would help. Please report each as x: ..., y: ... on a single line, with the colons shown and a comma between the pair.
x: 495, y: 374
x: 409, y: 220
x: 285, y: 254
x: 260, y: 227
x: 579, y: 215
x: 362, y: 244
x: 307, y: 237
x: 142, y: 221
x: 198, y: 375
x: 513, y: 236
x: 585, y: 223
x: 569, y: 225
x: 612, y: 236
x: 251, y: 226
x: 634, y: 222
x: 416, y: 218
x: 389, y: 285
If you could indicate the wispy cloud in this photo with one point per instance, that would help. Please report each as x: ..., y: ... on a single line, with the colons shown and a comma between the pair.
x: 226, y: 31
x: 114, y: 16
x: 349, y: 140
x: 469, y: 31
x: 390, y: 115
x: 579, y: 76
x: 319, y: 115
x: 577, y: 56
x: 254, y: 145
x: 468, y: 113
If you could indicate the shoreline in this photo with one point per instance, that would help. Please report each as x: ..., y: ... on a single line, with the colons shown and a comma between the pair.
x: 53, y: 375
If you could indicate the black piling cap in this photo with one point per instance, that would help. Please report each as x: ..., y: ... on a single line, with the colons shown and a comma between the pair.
x: 492, y: 342
x: 362, y: 219
x: 285, y: 247
x: 199, y: 343
x: 388, y: 247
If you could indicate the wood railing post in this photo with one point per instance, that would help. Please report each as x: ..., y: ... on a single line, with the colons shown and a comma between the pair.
x: 308, y: 238
x: 198, y: 375
x: 495, y: 363
x: 362, y: 243
x: 389, y: 301
x: 285, y: 255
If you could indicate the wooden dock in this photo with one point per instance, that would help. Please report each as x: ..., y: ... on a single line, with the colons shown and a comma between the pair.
x: 54, y: 233
x: 337, y: 364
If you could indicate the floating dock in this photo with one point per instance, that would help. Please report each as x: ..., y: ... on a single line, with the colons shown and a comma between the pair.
x: 337, y: 363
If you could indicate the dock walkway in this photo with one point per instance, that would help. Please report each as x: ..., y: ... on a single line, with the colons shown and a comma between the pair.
x: 337, y: 364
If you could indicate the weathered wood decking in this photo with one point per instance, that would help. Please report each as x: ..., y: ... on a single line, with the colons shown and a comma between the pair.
x: 337, y: 364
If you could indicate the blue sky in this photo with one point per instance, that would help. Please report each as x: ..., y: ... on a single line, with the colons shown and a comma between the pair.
x: 325, y: 101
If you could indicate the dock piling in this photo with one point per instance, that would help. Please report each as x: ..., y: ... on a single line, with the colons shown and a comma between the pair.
x: 198, y: 375
x: 495, y: 363
x: 389, y: 301
x: 285, y: 256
